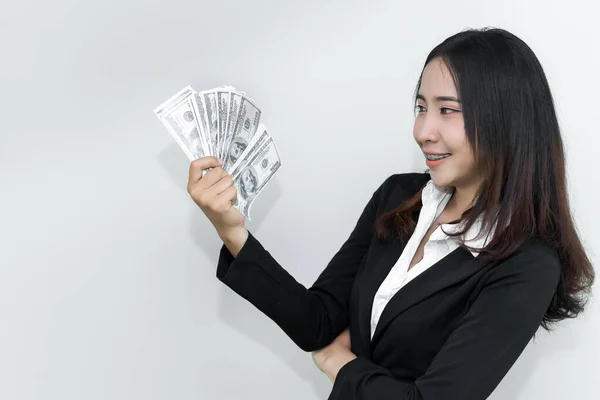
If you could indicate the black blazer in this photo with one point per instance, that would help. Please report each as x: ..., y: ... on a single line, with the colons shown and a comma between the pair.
x: 453, y: 332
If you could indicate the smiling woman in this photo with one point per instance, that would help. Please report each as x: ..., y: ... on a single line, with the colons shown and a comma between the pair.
x: 446, y: 275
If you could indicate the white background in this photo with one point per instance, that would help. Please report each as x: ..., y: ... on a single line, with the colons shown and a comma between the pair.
x: 107, y: 268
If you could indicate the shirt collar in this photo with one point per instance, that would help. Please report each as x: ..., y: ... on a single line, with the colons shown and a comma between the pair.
x: 438, y: 196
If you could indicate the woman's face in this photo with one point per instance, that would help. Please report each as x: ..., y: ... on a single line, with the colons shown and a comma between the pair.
x: 439, y: 128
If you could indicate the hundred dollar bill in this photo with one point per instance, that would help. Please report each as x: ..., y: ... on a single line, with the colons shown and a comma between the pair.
x: 178, y: 116
x: 232, y: 150
x: 234, y: 107
x: 210, y: 105
x: 200, y: 110
x: 208, y: 101
x: 244, y: 130
x: 255, y: 143
x: 257, y: 172
x: 223, y: 100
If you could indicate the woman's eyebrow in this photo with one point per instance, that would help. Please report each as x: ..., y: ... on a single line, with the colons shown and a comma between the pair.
x: 440, y: 98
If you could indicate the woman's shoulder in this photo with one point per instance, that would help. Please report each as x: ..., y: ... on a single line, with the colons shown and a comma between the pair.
x: 534, y: 261
x: 407, y: 183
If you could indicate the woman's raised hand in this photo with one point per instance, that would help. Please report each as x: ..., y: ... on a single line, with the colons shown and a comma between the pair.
x: 215, y: 194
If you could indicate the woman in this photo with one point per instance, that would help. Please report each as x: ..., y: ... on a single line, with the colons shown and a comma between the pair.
x: 447, y: 274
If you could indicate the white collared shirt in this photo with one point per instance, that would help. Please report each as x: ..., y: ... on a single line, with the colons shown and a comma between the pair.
x: 434, y: 200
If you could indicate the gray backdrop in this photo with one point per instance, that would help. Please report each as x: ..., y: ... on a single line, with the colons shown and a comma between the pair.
x: 107, y: 268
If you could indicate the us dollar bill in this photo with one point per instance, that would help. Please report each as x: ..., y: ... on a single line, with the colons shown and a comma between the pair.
x: 245, y: 128
x: 255, y: 175
x: 200, y: 110
x: 257, y: 141
x: 207, y: 104
x: 239, y: 147
x: 209, y: 99
x: 179, y: 117
x: 223, y: 100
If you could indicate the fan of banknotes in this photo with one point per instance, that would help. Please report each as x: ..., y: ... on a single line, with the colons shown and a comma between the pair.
x: 224, y: 123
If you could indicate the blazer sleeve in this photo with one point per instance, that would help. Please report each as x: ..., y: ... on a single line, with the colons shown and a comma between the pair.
x: 482, y: 348
x: 311, y: 317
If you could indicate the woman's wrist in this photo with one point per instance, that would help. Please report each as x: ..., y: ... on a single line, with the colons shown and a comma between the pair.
x: 234, y: 240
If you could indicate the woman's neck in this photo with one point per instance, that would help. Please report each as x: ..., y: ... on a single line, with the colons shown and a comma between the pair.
x: 460, y: 201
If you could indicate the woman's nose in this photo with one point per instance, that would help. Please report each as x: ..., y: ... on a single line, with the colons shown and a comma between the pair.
x: 426, y: 129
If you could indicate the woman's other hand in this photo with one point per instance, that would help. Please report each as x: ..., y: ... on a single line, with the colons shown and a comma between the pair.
x: 331, y: 358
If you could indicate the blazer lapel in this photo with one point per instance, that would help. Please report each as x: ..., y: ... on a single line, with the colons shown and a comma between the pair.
x: 371, y: 279
x: 455, y: 267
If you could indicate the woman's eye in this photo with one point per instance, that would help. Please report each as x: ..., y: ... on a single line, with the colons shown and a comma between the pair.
x: 444, y: 110
x: 449, y: 109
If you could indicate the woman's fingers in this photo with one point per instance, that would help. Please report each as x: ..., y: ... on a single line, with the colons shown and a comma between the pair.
x: 198, y: 166
x: 205, y: 192
x: 230, y: 194
x: 208, y: 180
x: 212, y: 177
x: 221, y: 185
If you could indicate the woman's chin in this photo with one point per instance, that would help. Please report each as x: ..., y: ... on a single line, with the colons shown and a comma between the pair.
x: 441, y: 181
